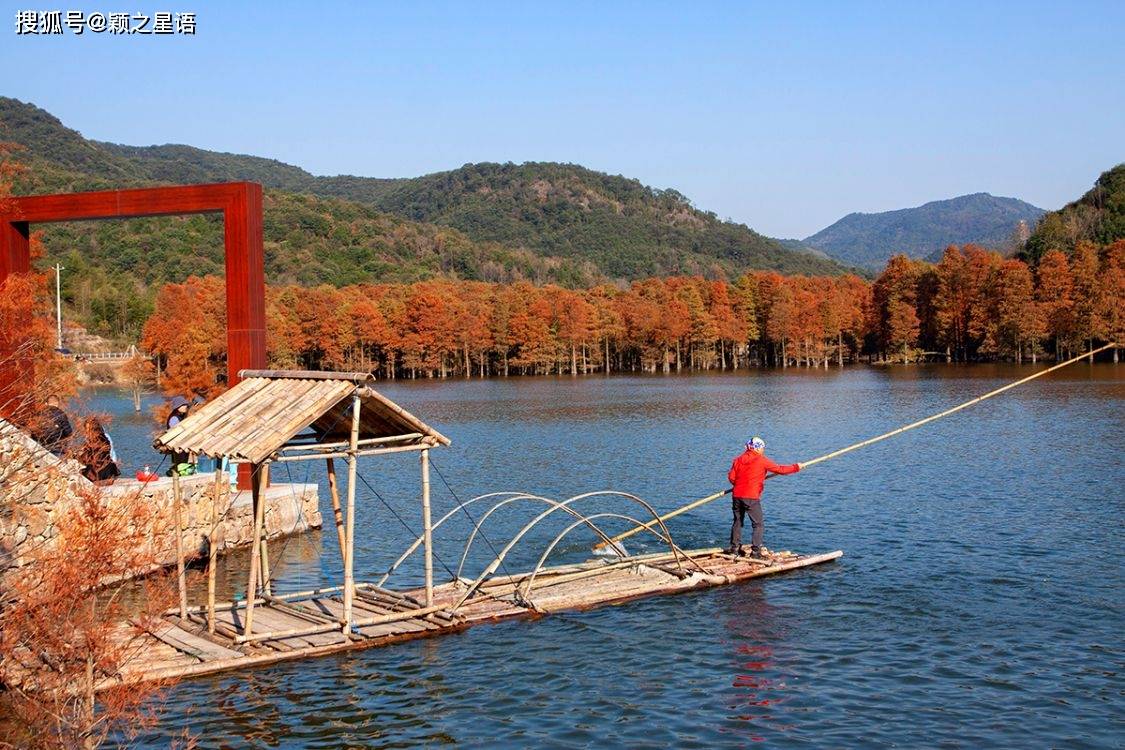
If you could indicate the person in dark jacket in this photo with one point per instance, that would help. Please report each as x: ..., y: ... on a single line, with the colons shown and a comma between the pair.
x: 99, y: 461
x: 747, y: 475
x: 52, y: 429
x: 180, y: 408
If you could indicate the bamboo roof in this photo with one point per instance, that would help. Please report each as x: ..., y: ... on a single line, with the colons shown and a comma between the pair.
x: 260, y: 415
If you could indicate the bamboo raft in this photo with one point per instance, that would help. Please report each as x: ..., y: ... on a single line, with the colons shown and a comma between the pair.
x: 286, y: 627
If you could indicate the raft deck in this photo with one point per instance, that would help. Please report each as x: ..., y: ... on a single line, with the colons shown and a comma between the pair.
x: 175, y: 648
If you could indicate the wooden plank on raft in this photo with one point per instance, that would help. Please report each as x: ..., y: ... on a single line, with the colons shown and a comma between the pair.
x: 191, y: 644
x: 393, y: 617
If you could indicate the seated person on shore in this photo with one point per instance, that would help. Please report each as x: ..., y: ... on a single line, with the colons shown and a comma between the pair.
x: 52, y: 428
x: 748, y: 475
x: 99, y: 461
x: 180, y: 408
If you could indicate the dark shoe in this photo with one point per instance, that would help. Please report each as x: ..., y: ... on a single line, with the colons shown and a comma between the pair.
x: 756, y: 554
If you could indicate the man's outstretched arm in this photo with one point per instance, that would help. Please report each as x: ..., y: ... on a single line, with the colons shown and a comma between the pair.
x: 782, y: 468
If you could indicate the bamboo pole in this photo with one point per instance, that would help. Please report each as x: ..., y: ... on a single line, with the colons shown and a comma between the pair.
x: 344, y: 443
x: 178, y: 512
x: 349, y: 546
x: 876, y: 439
x: 212, y: 551
x: 337, y: 513
x: 264, y: 558
x: 427, y: 529
x: 957, y: 408
x: 361, y: 452
x: 255, y: 548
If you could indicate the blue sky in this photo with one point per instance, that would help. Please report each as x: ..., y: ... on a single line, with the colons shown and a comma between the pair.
x: 785, y: 116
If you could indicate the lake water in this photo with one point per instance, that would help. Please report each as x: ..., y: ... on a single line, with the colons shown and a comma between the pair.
x: 979, y: 602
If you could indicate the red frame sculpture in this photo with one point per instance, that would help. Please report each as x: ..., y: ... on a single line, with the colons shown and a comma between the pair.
x: 241, y: 206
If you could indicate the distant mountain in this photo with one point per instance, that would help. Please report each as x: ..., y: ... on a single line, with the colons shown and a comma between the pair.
x: 1098, y: 216
x: 868, y: 240
x: 543, y: 221
x: 802, y: 247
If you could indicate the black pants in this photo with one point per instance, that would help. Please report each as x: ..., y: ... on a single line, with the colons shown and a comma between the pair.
x: 742, y: 507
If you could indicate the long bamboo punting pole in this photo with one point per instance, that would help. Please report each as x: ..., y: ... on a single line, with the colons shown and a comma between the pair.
x: 213, y: 550
x: 178, y: 512
x: 427, y: 528
x: 349, y: 546
x: 337, y: 513
x: 863, y: 443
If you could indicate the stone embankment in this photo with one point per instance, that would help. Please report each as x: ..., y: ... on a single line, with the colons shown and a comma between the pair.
x: 36, y: 487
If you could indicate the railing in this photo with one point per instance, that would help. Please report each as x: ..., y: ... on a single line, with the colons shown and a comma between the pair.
x: 108, y: 356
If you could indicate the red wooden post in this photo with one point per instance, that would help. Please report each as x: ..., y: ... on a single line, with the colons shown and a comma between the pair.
x: 241, y: 206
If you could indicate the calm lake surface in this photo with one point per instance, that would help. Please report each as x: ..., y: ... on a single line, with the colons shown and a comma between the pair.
x: 980, y: 601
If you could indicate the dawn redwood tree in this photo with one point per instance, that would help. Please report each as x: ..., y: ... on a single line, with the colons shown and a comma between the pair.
x: 609, y: 323
x: 473, y: 324
x: 1085, y: 291
x: 1017, y: 320
x: 729, y: 330
x: 1054, y: 296
x: 368, y: 331
x: 187, y: 332
x: 1112, y: 296
x: 745, y: 311
x: 902, y: 326
x: 980, y: 271
x: 894, y: 296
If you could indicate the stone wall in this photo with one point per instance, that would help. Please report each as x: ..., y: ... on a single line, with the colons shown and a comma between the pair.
x: 35, y: 487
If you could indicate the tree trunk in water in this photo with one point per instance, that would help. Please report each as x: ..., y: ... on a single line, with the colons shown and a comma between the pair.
x: 608, y: 365
x: 505, y: 363
x: 839, y: 348
x: 573, y: 360
x: 137, y: 399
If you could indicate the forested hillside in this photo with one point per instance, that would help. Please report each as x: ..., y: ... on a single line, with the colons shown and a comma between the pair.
x: 869, y: 240
x: 540, y: 222
x: 625, y: 228
x: 1098, y: 217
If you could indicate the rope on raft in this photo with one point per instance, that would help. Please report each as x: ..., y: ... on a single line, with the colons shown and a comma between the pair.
x: 863, y: 443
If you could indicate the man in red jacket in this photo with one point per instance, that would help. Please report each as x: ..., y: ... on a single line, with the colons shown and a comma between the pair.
x: 748, y: 474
